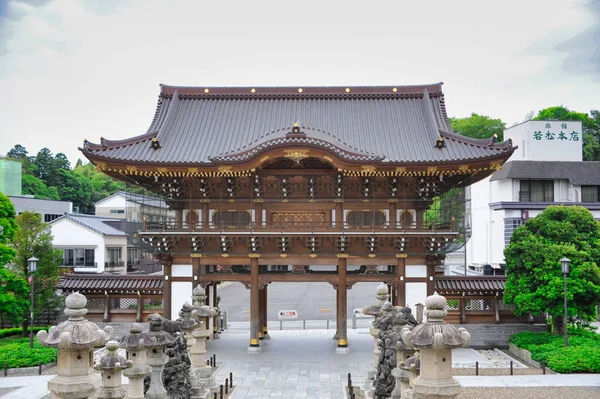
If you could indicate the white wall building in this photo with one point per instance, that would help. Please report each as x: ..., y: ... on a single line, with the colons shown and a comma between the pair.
x: 89, y: 244
x: 134, y: 207
x: 546, y: 169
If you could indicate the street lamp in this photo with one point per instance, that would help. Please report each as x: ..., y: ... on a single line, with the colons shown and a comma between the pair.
x: 33, y: 261
x: 564, y: 264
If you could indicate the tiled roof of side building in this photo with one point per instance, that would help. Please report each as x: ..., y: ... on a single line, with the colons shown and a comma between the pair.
x: 446, y: 285
x: 101, y: 283
x: 398, y: 124
x: 581, y: 173
x: 95, y: 223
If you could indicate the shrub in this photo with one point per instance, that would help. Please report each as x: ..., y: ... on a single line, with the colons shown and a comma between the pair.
x: 8, y: 332
x: 581, y: 356
x: 18, y: 354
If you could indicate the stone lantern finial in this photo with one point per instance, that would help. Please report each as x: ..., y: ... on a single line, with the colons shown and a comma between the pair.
x: 75, y: 340
x: 110, y: 366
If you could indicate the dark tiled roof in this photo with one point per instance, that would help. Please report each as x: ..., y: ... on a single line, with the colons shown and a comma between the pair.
x: 446, y: 285
x: 581, y: 173
x: 112, y: 284
x: 95, y: 223
x: 198, y: 125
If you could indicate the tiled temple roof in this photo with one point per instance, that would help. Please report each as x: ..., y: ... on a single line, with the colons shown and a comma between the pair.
x: 112, y: 284
x: 398, y: 125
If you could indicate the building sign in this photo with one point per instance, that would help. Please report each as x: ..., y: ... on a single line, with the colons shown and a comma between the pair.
x: 287, y: 315
x: 557, y: 131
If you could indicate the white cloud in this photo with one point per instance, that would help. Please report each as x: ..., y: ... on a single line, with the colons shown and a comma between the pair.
x: 78, y: 69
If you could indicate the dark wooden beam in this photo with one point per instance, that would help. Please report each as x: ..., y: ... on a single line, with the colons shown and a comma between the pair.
x: 342, y: 304
x: 254, y: 303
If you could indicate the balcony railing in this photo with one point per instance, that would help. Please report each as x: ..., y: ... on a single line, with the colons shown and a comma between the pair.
x: 79, y: 264
x: 114, y: 264
x: 299, y: 227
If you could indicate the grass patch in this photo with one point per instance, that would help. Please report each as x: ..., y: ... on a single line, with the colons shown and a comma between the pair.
x: 16, y: 353
x: 581, y: 356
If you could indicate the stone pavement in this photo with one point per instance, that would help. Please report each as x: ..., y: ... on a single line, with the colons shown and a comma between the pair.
x: 302, y: 364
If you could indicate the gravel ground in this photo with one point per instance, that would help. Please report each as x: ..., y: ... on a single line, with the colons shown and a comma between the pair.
x: 530, y: 393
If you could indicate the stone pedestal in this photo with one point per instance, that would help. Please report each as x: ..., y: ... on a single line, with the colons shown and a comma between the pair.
x: 110, y: 366
x: 75, y: 340
x: 157, y: 356
x: 204, y: 383
x: 136, y: 344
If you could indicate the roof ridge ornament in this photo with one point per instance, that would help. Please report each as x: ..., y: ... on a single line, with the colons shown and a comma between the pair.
x: 296, y: 131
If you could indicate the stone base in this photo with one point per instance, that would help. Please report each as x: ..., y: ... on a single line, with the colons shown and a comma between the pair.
x: 435, y: 389
x: 74, y: 387
x: 340, y: 350
x: 254, y: 349
x: 267, y: 336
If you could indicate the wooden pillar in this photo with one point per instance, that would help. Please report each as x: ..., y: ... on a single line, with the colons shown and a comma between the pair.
x: 179, y: 218
x: 258, y: 208
x: 261, y: 312
x: 342, y: 304
x: 167, y: 290
x: 140, y: 308
x: 107, y: 304
x: 265, y: 313
x: 392, y: 208
x: 254, y: 305
x: 207, y: 296
x: 400, y: 283
x: 339, y: 213
x: 214, y: 319
x: 205, y: 220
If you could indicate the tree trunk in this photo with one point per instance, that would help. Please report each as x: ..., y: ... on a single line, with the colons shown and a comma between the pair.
x: 557, y: 323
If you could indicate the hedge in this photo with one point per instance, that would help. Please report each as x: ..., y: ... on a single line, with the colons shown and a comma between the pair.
x: 8, y: 332
x: 581, y: 356
x: 18, y: 354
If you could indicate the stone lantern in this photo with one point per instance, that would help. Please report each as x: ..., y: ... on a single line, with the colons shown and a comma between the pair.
x: 136, y: 343
x: 435, y: 339
x: 382, y: 296
x: 405, y: 375
x: 75, y: 340
x: 187, y: 324
x: 157, y: 356
x: 198, y: 353
x: 110, y: 367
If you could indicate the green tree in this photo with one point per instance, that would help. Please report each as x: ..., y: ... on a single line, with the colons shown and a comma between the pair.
x: 76, y: 189
x: 31, y: 185
x: 534, y: 279
x: 9, y: 227
x: 33, y: 238
x: 590, y: 125
x: 17, y: 152
x: 478, y: 126
x: 14, y: 300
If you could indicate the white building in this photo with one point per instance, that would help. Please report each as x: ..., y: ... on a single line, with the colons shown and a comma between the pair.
x: 89, y: 244
x: 546, y: 169
x: 134, y: 207
x: 47, y: 209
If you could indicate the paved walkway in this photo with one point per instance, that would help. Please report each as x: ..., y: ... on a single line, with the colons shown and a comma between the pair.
x: 302, y: 364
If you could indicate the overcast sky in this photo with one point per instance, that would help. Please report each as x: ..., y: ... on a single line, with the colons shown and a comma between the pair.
x: 80, y: 69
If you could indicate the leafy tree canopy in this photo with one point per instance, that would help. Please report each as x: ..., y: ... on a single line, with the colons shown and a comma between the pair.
x: 14, y: 300
x: 9, y: 227
x: 590, y: 124
x: 478, y: 126
x: 31, y: 185
x: 534, y: 278
x: 35, y: 239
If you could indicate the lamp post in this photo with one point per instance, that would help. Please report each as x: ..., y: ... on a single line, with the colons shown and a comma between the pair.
x: 564, y: 264
x: 33, y: 261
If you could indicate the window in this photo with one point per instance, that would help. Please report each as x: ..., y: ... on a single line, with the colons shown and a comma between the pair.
x: 536, y: 191
x: 121, y: 211
x: 48, y: 217
x: 232, y: 218
x: 590, y: 193
x: 510, y: 225
x: 113, y: 257
x: 365, y: 218
x: 79, y: 257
